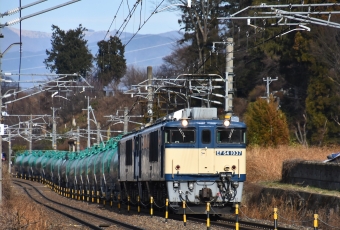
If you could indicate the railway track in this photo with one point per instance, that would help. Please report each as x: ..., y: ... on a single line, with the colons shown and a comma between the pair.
x: 85, y: 218
x: 216, y: 222
x: 244, y: 225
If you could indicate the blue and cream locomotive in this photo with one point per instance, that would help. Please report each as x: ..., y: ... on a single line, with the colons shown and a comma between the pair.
x: 190, y: 156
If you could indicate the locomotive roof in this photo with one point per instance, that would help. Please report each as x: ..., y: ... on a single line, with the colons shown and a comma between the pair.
x: 194, y: 114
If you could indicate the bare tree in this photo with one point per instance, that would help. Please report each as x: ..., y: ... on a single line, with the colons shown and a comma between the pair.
x: 300, y: 131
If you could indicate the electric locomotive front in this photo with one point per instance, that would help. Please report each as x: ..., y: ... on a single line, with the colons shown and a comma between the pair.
x: 205, y: 160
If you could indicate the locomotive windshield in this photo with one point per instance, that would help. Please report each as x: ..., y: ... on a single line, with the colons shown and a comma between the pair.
x: 179, y: 135
x: 231, y: 135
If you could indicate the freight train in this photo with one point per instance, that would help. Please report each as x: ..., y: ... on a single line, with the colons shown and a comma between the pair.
x: 190, y: 155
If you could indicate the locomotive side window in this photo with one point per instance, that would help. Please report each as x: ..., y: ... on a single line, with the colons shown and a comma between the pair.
x: 206, y: 136
x: 167, y: 136
x: 153, y: 146
x: 128, y: 152
x: 179, y: 135
x: 231, y: 135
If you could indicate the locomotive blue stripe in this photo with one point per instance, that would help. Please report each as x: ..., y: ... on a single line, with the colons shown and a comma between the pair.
x: 190, y: 177
x: 224, y: 146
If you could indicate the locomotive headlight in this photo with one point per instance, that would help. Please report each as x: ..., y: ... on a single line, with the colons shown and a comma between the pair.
x: 226, y: 168
x: 226, y: 123
x: 185, y: 123
x: 191, y: 185
x: 175, y: 184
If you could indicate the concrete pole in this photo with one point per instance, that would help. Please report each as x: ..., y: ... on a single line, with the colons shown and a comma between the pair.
x: 229, y: 77
x: 98, y: 133
x: 150, y: 93
x: 54, y: 131
x: 267, y: 89
x: 268, y: 81
x: 108, y: 134
x: 126, y: 121
x: 30, y: 124
x: 9, y: 151
x: 78, y: 139
x: 1, y: 123
x: 88, y: 123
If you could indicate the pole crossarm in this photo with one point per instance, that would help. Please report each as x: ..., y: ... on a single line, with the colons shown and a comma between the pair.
x: 119, y: 119
x: 185, y: 86
x: 50, y: 86
x: 292, y: 12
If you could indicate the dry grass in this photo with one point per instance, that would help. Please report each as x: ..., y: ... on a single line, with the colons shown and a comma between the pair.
x: 265, y: 164
x: 18, y: 212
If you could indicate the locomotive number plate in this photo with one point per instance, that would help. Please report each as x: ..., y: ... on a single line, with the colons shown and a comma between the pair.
x: 229, y: 153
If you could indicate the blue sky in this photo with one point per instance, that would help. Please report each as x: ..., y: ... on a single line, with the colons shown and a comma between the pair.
x: 94, y: 15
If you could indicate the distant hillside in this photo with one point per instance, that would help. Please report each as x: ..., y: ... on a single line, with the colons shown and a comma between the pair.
x: 142, y: 51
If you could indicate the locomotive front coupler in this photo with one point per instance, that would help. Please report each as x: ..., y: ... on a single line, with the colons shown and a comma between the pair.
x: 225, y: 176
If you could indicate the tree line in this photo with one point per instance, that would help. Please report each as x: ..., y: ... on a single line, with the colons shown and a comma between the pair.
x: 304, y: 104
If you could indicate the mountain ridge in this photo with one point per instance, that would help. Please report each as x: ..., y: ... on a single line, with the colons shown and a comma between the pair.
x: 141, y: 51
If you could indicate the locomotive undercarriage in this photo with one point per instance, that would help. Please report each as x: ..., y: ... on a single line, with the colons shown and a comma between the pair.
x: 220, y: 194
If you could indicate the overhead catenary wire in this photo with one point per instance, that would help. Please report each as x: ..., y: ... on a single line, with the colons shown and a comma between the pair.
x: 144, y: 23
x: 126, y: 21
x: 113, y: 20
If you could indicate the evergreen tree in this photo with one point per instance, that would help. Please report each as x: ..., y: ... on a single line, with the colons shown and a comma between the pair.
x: 322, y: 110
x: 201, y: 29
x: 266, y: 124
x: 69, y: 53
x: 110, y: 60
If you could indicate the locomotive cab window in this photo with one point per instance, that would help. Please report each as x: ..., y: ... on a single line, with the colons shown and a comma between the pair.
x: 231, y: 136
x: 178, y: 135
x: 128, y: 152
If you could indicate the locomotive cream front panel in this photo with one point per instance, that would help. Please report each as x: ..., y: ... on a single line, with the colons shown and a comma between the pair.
x: 205, y: 175
x: 204, y: 161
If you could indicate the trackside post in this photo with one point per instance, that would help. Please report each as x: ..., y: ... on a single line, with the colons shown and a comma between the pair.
x: 208, y: 218
x: 236, y: 215
x: 184, y: 215
x: 275, y: 218
x: 151, y: 206
x: 166, y: 209
x: 316, y: 216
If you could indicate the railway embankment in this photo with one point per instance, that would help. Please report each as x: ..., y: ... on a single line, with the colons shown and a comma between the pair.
x: 306, y: 186
x: 312, y: 173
